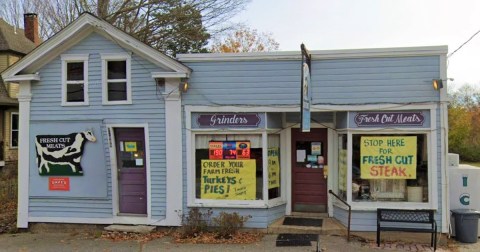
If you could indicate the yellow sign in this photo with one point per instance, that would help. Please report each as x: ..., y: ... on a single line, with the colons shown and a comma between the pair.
x: 228, y: 179
x: 273, y: 168
x: 389, y: 157
x: 130, y: 146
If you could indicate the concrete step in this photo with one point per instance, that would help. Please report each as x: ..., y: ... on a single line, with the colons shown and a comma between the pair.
x: 131, y: 229
x: 329, y: 227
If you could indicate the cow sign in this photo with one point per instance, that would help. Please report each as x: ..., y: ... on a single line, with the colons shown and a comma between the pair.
x: 61, y: 154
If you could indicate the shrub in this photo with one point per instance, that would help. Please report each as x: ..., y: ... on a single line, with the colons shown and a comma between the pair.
x: 195, y: 223
x: 228, y: 224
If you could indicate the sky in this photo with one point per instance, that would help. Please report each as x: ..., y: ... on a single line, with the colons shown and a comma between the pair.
x: 355, y: 24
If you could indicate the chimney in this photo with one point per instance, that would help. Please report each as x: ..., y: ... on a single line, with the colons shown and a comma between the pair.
x: 30, y: 23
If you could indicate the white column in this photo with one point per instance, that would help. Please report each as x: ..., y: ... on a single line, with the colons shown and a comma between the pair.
x: 173, y: 141
x: 24, y: 98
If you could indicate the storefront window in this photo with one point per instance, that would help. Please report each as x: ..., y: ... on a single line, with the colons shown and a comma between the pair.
x: 274, y: 166
x: 229, y: 167
x: 389, y: 168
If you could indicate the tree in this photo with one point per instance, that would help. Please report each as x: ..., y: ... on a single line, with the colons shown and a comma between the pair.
x: 163, y: 24
x: 464, y: 122
x: 245, y: 40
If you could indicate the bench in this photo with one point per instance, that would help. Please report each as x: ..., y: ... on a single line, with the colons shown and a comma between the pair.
x: 387, y: 217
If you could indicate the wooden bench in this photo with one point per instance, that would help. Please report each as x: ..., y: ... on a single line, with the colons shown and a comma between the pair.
x: 387, y: 217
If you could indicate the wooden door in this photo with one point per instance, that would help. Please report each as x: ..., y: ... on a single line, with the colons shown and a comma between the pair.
x: 132, y: 186
x: 309, y: 186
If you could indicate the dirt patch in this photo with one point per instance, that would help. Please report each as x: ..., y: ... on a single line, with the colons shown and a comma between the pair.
x: 8, y: 216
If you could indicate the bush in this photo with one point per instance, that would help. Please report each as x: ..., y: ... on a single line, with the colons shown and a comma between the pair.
x: 228, y: 224
x: 195, y: 223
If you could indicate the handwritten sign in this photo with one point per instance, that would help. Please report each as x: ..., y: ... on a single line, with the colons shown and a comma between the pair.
x: 228, y: 179
x: 390, y: 157
x: 273, y: 168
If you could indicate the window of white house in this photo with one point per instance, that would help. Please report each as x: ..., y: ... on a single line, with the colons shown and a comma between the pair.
x: 14, y: 130
x: 229, y: 167
x: 116, y: 79
x: 75, y: 79
x: 390, y: 168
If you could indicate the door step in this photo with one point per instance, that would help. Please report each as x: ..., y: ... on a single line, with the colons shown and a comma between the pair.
x: 306, y: 225
x: 130, y: 229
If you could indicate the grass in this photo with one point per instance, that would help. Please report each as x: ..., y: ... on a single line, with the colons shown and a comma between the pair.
x: 471, y: 163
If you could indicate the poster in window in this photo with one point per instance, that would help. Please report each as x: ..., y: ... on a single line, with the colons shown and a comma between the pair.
x: 273, y: 168
x: 229, y: 150
x: 228, y: 179
x: 215, y: 150
x: 243, y: 150
x: 316, y: 148
x: 388, y: 157
x: 130, y: 146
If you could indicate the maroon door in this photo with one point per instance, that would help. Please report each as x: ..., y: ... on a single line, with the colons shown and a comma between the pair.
x: 132, y: 186
x: 309, y: 186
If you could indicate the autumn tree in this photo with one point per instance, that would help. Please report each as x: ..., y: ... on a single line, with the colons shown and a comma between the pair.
x: 464, y: 122
x: 169, y: 25
x: 245, y: 39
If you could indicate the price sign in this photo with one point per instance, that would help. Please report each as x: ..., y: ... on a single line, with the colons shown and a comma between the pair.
x: 243, y: 150
x: 215, y: 150
x: 229, y: 150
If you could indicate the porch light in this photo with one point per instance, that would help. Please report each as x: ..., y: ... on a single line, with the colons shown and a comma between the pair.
x: 437, y: 84
x: 183, y: 86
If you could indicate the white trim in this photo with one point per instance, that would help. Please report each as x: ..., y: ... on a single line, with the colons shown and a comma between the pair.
x: 167, y: 75
x: 444, y: 146
x: 78, y: 29
x: 11, y: 129
x: 114, y: 172
x: 332, y: 165
x: 23, y: 77
x: 74, y: 58
x: 105, y: 81
x: 317, y: 54
x: 174, y: 156
x: 24, y: 98
x: 288, y: 173
x: 72, y: 220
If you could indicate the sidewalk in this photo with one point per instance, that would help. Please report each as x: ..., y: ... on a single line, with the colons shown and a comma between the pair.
x: 75, y: 241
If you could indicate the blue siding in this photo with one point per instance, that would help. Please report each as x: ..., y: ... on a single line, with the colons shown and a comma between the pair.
x: 147, y: 108
x: 335, y: 81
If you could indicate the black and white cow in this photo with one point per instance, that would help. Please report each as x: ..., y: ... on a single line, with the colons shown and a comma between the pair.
x: 69, y: 155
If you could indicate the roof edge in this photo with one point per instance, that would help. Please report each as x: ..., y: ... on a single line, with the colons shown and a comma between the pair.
x: 318, y: 54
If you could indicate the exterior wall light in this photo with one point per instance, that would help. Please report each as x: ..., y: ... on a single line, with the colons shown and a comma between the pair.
x: 183, y: 86
x: 437, y: 84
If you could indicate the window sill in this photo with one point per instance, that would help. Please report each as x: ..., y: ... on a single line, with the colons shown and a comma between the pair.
x: 74, y: 104
x: 117, y: 103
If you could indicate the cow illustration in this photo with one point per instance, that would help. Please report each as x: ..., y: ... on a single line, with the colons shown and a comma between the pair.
x: 63, y: 150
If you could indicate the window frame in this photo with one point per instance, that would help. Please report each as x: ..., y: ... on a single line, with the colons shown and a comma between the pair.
x: 373, y: 205
x: 264, y: 202
x: 106, y: 57
x: 74, y: 58
x: 12, y: 130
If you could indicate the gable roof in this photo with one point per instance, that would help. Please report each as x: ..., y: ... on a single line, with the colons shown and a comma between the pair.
x: 80, y: 28
x: 13, y: 39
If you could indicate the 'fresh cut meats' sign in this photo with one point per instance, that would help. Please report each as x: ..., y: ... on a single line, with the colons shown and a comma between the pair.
x: 61, y: 154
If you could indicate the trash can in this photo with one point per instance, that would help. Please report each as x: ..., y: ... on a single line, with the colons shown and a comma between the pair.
x: 466, y: 225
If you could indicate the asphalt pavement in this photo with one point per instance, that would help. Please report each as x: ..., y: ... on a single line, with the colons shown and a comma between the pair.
x: 78, y: 241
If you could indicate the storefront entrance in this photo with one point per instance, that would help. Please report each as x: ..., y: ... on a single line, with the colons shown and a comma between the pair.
x: 132, y: 186
x: 309, y: 156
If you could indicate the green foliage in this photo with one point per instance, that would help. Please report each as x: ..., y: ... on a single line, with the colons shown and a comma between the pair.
x: 228, y: 224
x: 464, y: 123
x: 195, y: 223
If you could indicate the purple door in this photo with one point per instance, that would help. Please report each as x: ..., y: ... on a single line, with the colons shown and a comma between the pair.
x: 132, y: 182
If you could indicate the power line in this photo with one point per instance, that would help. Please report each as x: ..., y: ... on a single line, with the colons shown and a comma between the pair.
x: 450, y: 55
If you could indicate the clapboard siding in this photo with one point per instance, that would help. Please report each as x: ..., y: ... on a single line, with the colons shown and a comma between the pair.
x: 334, y: 81
x: 276, y: 213
x: 147, y: 108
